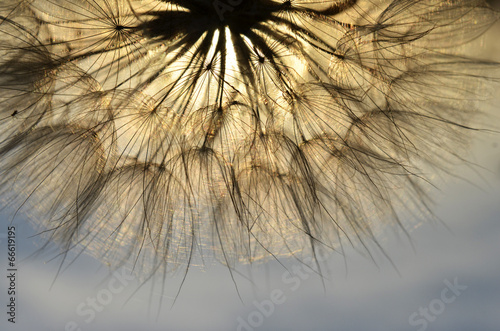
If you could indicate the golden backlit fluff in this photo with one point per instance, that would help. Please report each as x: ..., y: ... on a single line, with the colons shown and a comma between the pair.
x: 160, y: 134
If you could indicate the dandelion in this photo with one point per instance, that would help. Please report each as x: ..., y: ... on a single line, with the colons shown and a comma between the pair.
x: 161, y: 133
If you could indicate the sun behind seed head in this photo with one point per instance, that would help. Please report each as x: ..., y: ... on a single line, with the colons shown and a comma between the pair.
x: 161, y: 133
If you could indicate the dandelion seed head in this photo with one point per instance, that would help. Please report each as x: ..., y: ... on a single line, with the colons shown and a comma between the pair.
x: 158, y: 134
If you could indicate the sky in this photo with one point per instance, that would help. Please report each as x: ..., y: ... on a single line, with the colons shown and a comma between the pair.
x: 448, y: 281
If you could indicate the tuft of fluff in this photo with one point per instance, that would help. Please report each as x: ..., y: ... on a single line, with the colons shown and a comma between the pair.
x: 162, y: 133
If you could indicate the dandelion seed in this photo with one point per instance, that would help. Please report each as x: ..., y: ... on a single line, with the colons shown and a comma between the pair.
x: 159, y: 133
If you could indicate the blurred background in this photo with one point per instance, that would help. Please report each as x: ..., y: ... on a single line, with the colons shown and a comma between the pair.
x: 460, y: 254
